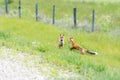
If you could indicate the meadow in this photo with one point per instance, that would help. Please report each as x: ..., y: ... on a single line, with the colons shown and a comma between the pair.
x: 41, y: 39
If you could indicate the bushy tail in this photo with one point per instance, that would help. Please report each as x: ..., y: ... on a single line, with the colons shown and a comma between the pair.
x: 91, y: 52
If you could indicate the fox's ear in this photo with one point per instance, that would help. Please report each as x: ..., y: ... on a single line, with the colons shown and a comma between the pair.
x: 60, y: 34
x: 63, y: 35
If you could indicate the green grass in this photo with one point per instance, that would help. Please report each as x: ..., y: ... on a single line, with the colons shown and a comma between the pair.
x: 107, y: 12
x: 41, y: 39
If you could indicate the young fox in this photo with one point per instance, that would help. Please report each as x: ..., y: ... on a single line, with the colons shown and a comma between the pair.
x: 78, y: 47
x: 61, y: 41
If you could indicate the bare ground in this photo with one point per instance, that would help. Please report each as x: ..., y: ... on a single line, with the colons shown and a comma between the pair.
x: 12, y: 68
x: 17, y: 65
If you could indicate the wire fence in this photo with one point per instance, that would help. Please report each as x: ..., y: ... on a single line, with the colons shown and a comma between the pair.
x: 37, y: 15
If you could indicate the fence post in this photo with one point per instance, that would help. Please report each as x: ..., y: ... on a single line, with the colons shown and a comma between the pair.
x: 53, y: 14
x: 36, y: 8
x: 75, y: 16
x: 93, y: 20
x: 19, y: 8
x: 6, y: 6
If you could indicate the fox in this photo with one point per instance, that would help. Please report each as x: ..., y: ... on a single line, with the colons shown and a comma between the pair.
x: 78, y: 47
x: 61, y: 41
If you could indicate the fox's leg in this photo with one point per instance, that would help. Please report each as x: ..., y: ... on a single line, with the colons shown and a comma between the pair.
x: 59, y: 46
x: 72, y: 48
x: 82, y: 51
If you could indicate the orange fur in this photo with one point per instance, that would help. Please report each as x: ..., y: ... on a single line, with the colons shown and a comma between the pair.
x: 61, y: 41
x: 78, y: 47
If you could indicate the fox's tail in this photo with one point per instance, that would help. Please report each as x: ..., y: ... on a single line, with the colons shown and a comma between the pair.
x: 91, y: 52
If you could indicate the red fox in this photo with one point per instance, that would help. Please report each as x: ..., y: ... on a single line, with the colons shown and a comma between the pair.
x: 61, y: 40
x: 78, y: 47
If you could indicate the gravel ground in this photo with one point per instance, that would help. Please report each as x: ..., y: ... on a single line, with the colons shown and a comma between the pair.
x: 15, y: 69
x: 17, y: 65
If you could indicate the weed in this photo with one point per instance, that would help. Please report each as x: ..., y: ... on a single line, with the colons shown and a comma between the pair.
x: 4, y: 35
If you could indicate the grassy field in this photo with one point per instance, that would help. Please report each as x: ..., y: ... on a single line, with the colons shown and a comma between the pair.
x: 41, y: 39
x: 106, y: 12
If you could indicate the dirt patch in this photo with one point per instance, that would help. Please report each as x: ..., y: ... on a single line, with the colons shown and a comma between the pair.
x: 15, y: 69
x: 17, y: 65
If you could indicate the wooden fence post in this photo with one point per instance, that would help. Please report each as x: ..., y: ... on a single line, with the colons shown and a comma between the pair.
x: 19, y: 8
x: 36, y: 8
x: 93, y: 20
x: 75, y: 16
x: 6, y: 6
x: 53, y: 14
